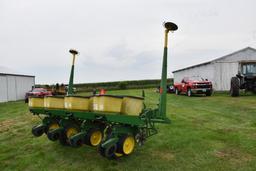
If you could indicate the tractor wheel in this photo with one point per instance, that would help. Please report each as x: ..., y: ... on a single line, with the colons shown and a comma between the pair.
x: 108, y: 152
x: 93, y: 137
x: 234, y: 87
x: 189, y: 92
x: 177, y: 91
x: 126, y: 145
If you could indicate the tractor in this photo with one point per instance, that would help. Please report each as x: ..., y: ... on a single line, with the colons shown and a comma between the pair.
x: 244, y: 80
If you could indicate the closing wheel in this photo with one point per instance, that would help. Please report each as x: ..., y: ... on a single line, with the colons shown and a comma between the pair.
x: 94, y: 137
x: 71, y: 131
x: 52, y: 136
x: 38, y: 130
x: 126, y: 145
x: 108, y: 151
x: 51, y: 126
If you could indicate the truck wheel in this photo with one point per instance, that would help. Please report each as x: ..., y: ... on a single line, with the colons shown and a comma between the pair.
x: 254, y: 90
x: 177, y: 91
x: 234, y: 87
x: 208, y: 93
x: 189, y: 92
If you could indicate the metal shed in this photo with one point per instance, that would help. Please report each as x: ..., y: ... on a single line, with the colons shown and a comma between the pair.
x: 219, y: 70
x: 14, y: 86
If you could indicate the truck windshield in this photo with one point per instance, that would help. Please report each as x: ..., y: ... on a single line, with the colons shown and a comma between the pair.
x: 196, y: 78
x: 38, y: 90
x: 249, y: 68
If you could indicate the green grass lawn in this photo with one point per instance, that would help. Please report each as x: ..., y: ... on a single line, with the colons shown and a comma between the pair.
x: 206, y: 133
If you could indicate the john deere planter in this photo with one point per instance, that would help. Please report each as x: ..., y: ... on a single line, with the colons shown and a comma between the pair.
x: 116, y: 124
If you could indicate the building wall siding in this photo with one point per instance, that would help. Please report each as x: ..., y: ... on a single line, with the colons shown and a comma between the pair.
x: 222, y: 75
x: 197, y: 71
x: 24, y: 84
x: 13, y: 88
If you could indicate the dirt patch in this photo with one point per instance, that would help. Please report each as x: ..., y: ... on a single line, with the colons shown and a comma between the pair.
x: 235, y: 156
x: 6, y: 124
x: 164, y: 155
x: 226, y: 130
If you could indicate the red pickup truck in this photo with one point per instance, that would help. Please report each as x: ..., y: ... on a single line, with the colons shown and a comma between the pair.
x: 193, y: 85
x: 39, y: 92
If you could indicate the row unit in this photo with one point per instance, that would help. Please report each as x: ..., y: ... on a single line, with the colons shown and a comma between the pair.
x: 128, y: 105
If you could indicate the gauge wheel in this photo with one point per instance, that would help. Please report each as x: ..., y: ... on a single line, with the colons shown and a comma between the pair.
x: 94, y: 137
x: 126, y: 144
x: 70, y: 130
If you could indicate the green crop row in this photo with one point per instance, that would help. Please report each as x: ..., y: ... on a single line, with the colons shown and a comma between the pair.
x: 119, y: 85
x: 116, y: 85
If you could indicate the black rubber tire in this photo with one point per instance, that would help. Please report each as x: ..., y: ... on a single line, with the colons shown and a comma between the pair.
x: 101, y: 150
x: 234, y: 87
x: 177, y: 91
x: 77, y: 143
x: 208, y: 93
x: 89, y: 134
x: 254, y: 90
x: 63, y: 140
x: 37, y: 132
x: 189, y: 92
x: 108, y: 152
x: 53, y: 137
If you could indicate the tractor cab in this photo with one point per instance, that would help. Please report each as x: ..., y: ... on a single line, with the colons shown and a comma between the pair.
x: 248, y: 69
x: 245, y: 79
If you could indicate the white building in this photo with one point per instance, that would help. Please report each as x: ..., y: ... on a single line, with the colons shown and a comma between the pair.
x: 220, y: 70
x: 14, y: 86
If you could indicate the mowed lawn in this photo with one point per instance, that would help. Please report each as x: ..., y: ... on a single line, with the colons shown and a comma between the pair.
x: 206, y: 133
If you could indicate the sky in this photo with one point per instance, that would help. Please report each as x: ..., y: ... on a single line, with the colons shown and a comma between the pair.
x: 119, y: 39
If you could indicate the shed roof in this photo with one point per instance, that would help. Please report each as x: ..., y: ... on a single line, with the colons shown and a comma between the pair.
x: 217, y: 59
x: 8, y: 71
